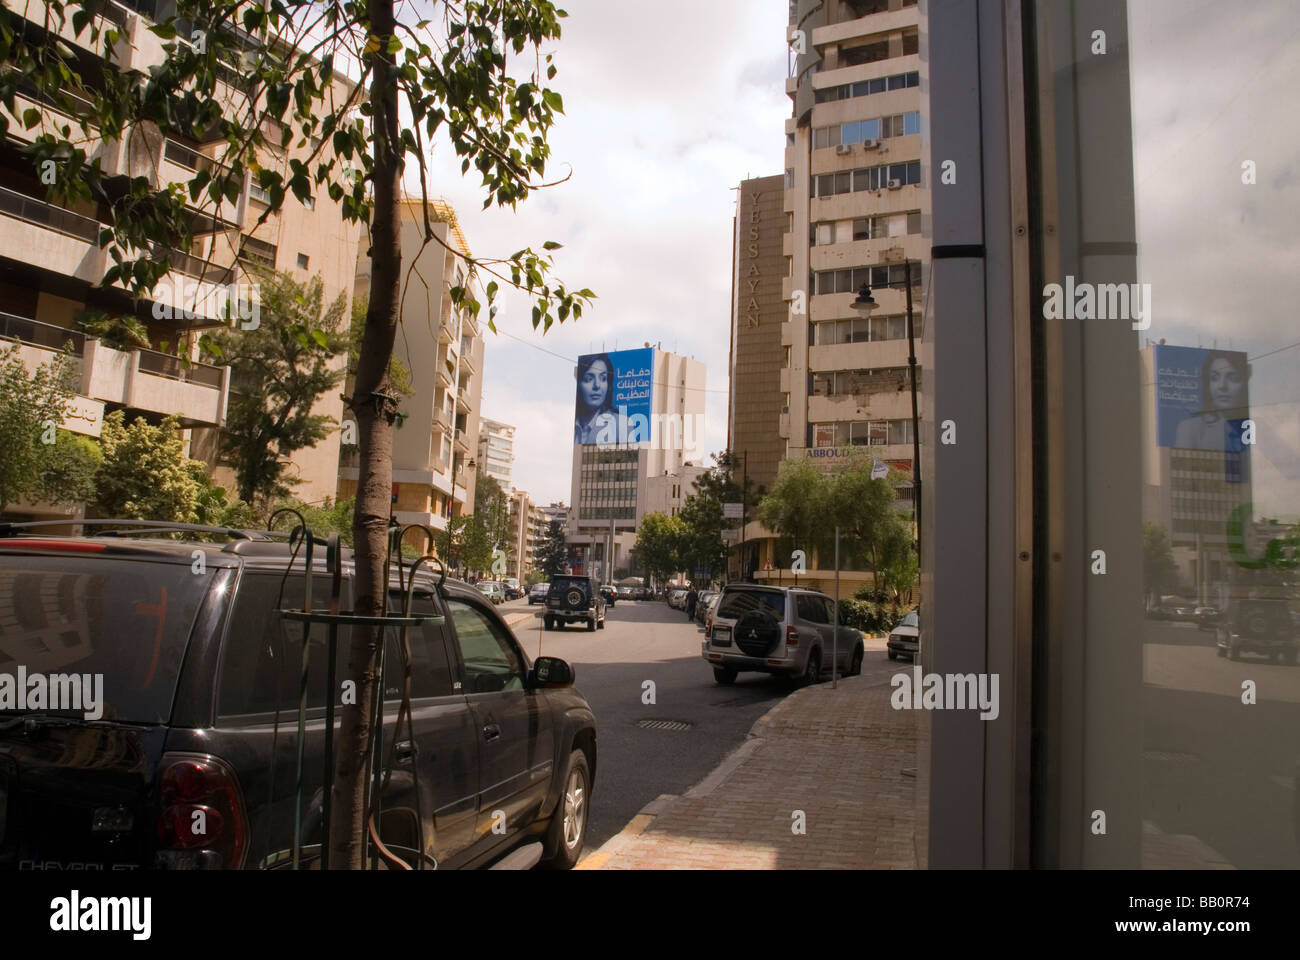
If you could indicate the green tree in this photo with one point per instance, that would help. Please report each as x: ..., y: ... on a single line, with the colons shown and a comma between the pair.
x: 659, y: 544
x: 145, y: 474
x: 864, y: 509
x: 702, y: 545
x: 399, y: 374
x: 1159, y: 571
x: 463, y: 75
x: 796, y: 508
x: 553, y: 554
x: 279, y: 368
x: 492, y: 507
x: 68, y: 475
x: 32, y: 405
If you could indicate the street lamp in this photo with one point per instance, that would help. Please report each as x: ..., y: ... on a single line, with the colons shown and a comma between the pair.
x: 864, y: 304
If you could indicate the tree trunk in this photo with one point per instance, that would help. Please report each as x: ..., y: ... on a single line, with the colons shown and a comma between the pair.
x: 375, y: 473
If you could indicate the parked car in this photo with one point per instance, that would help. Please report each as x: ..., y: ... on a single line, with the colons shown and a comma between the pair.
x: 702, y: 604
x: 537, y: 594
x: 1262, y: 626
x: 610, y: 593
x: 188, y: 717
x: 677, y: 597
x: 493, y: 590
x: 574, y: 599
x: 1207, y: 618
x: 512, y: 589
x: 627, y: 593
x: 905, y: 638
x: 778, y: 630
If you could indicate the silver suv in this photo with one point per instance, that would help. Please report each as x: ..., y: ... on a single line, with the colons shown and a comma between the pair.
x: 778, y: 630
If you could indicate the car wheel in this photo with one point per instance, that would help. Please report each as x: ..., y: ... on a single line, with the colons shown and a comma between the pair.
x: 1234, y: 651
x: 1292, y: 656
x: 591, y: 625
x: 893, y: 655
x: 813, y: 670
x: 855, y: 665
x: 1220, y: 650
x: 725, y: 675
x: 568, y: 829
x: 600, y: 624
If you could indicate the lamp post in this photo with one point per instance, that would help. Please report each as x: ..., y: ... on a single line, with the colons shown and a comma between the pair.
x: 864, y: 305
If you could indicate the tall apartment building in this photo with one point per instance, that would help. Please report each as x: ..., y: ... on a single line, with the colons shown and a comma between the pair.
x: 668, y: 492
x: 527, y: 529
x: 434, y: 447
x: 759, y: 411
x: 496, y: 451
x: 638, y: 414
x: 51, y: 262
x: 855, y: 207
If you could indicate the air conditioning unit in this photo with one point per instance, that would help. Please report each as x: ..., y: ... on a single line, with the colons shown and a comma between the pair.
x: 870, y: 144
x: 844, y: 148
x: 895, y: 184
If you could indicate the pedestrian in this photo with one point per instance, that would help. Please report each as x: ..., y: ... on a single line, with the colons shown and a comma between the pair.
x: 691, y: 599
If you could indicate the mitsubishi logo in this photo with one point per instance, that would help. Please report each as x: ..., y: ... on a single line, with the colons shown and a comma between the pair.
x: 753, y: 634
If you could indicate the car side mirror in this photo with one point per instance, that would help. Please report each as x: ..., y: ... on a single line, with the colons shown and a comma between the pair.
x: 550, y: 672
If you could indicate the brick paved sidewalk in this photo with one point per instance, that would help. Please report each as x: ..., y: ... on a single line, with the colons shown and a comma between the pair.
x: 837, y: 755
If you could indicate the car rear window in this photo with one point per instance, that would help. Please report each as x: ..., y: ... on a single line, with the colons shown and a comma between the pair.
x: 559, y: 586
x: 126, y: 620
x: 736, y: 603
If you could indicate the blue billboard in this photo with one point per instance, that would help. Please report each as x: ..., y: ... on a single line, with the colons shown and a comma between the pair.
x: 1202, y: 398
x: 614, y: 393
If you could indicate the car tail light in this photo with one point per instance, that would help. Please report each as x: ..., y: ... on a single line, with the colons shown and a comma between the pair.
x: 791, y: 636
x: 203, y: 824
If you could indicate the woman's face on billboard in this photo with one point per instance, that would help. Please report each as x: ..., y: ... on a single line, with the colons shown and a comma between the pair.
x: 595, y: 384
x: 1226, y: 384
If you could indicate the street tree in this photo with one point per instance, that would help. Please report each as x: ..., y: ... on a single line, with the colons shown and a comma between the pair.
x: 796, y: 507
x: 449, y: 76
x: 32, y: 405
x: 660, y: 545
x: 492, y: 508
x: 146, y: 474
x: 553, y: 554
x: 864, y: 511
x: 1159, y: 570
x: 702, y: 545
x: 279, y: 368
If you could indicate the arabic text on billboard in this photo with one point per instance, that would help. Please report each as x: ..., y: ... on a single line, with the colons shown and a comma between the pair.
x: 614, y: 391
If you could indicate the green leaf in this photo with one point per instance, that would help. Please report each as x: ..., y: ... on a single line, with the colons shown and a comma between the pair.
x: 551, y: 245
x: 320, y: 338
x: 31, y: 117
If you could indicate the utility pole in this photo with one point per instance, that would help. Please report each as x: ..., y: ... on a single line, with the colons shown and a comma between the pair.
x: 916, y: 421
x: 744, y: 516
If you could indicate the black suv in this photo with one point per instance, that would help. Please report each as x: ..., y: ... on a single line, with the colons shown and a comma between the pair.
x: 198, y: 714
x: 574, y: 599
x: 1257, y: 625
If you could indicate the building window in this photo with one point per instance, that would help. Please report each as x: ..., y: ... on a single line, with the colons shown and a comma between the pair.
x: 865, y: 88
x: 257, y: 250
x: 850, y: 281
x: 867, y: 178
x: 302, y: 261
x: 867, y: 53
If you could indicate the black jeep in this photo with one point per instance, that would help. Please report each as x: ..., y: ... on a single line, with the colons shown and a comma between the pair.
x: 574, y: 599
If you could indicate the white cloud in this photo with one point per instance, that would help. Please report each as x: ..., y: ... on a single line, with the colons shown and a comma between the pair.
x: 666, y: 110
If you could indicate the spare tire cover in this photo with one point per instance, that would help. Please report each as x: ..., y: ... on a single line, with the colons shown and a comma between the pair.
x: 757, y: 633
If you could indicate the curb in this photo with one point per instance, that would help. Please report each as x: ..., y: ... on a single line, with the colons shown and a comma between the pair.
x: 754, y: 740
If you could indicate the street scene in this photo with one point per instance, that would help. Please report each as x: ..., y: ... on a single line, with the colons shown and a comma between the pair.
x: 737, y: 435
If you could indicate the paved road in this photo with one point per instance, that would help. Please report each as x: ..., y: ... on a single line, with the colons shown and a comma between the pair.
x: 648, y: 641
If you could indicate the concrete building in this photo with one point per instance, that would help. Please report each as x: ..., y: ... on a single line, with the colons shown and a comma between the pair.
x: 758, y: 408
x: 855, y: 205
x: 527, y: 530
x: 51, y: 264
x: 434, y: 448
x: 668, y: 492
x: 656, y: 436
x: 496, y: 451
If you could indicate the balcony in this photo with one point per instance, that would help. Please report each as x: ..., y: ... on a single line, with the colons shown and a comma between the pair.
x: 136, y: 380
x: 462, y: 442
x: 446, y: 334
x: 445, y: 376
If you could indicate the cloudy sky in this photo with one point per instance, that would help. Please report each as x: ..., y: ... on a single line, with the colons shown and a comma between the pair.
x: 1222, y: 255
x: 667, y: 108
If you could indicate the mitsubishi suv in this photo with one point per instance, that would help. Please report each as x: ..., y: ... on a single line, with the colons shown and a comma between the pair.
x: 779, y: 630
x: 574, y: 599
x: 179, y: 683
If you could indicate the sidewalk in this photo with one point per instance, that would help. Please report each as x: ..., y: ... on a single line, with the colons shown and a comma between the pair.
x: 837, y: 755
